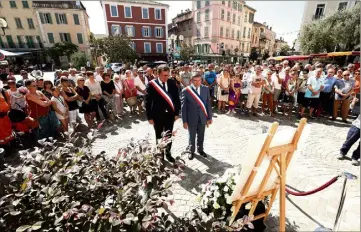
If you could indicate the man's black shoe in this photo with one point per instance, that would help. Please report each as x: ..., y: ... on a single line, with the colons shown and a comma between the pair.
x: 202, y: 153
x: 170, y: 158
x: 190, y: 155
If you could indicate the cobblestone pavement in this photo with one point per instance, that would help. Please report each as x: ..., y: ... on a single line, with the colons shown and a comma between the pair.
x: 226, y: 141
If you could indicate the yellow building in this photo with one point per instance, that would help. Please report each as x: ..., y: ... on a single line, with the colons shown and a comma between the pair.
x: 22, y: 32
x: 62, y: 21
x: 247, y: 25
x: 36, y: 24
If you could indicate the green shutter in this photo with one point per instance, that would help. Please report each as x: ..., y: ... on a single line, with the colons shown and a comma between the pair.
x: 65, y: 20
x: 51, y: 37
x: 57, y: 18
x: 25, y: 4
x: 1, y: 42
x: 41, y: 15
x: 76, y: 19
x: 20, y: 41
x: 10, y: 41
x: 80, y: 38
x: 50, y: 19
x: 68, y: 34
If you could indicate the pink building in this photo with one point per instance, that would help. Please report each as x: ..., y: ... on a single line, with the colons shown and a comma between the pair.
x: 221, y: 23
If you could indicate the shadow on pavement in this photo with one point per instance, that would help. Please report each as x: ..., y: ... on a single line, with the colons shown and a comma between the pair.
x: 272, y: 222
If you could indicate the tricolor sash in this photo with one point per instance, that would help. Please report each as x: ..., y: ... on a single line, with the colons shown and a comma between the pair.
x: 162, y: 92
x: 198, y: 99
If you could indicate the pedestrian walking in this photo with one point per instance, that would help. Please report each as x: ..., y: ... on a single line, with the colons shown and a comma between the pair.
x: 196, y: 113
x: 162, y: 106
x: 353, y: 136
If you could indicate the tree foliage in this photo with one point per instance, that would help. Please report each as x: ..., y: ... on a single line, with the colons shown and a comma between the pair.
x: 339, y: 31
x: 79, y: 59
x: 115, y: 48
x: 62, y: 49
x: 284, y: 50
x: 186, y: 52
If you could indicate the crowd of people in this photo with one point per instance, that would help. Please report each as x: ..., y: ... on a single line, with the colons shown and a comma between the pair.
x: 44, y: 108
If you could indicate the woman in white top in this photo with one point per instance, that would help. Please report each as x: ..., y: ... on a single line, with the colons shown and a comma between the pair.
x: 96, y: 92
x: 61, y: 108
x: 118, y: 95
x: 223, y: 90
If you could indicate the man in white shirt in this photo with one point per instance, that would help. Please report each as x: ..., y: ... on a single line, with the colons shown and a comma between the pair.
x: 254, y: 95
x: 277, y: 83
x: 141, y: 83
x: 99, y: 71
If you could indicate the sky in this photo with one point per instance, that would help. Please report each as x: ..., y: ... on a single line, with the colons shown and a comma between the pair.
x: 283, y: 16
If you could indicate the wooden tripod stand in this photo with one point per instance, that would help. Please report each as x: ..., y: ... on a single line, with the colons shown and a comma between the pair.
x: 279, y: 158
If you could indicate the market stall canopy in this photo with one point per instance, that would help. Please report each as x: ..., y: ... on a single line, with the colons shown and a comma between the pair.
x: 331, y: 54
x: 298, y: 57
x: 6, y: 53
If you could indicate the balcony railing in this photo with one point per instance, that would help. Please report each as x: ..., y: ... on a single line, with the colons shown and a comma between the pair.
x: 61, y: 5
x: 315, y: 17
x: 22, y: 45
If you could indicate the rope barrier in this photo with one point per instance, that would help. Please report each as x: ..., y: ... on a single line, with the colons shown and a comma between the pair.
x: 322, y: 187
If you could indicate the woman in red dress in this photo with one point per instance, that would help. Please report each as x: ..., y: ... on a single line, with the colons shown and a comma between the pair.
x: 6, y: 132
x: 130, y: 91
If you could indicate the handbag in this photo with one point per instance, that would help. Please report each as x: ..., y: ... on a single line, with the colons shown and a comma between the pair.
x: 224, y: 92
x: 17, y: 115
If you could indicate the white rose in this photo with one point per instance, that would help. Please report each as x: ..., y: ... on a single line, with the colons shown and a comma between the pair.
x: 225, y: 188
x: 216, y: 205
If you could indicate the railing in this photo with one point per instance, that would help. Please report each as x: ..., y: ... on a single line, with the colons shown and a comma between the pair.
x: 315, y: 17
x: 21, y: 45
x: 61, y: 5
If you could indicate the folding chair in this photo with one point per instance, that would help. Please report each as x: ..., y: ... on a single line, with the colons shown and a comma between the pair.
x: 265, y: 174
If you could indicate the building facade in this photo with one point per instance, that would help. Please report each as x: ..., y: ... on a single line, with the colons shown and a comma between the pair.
x: 63, y: 21
x: 143, y: 22
x: 279, y: 43
x: 248, y: 21
x: 314, y: 10
x: 183, y: 25
x: 318, y: 9
x: 263, y: 39
x: 220, y: 27
x: 33, y: 25
x: 23, y: 32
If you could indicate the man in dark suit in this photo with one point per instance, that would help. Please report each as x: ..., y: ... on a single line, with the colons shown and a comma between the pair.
x: 162, y: 105
x: 196, y: 113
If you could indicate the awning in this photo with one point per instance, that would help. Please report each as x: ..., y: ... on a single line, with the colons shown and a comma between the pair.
x: 320, y: 55
x: 6, y: 53
x: 331, y: 54
x: 356, y: 53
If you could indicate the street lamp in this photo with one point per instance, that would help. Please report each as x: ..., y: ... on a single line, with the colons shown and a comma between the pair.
x: 175, y: 40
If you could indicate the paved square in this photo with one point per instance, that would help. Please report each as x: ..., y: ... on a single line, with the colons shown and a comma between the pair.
x: 226, y: 143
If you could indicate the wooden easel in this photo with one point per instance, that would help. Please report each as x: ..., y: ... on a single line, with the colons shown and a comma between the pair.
x: 280, y: 157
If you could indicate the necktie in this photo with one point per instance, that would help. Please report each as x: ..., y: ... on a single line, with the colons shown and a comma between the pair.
x: 163, y: 84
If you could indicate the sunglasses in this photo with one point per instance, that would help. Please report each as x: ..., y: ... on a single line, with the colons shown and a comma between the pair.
x: 40, y: 80
x: 81, y: 80
x: 346, y: 75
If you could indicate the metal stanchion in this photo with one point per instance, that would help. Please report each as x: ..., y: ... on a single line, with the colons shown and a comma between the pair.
x: 346, y: 176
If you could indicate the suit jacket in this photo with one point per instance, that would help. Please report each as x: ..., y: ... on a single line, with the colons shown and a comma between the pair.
x: 157, y: 107
x: 191, y: 110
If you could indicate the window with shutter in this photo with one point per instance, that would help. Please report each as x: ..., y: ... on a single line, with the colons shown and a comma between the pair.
x: 147, y: 47
x: 158, y: 32
x: 113, y: 11
x: 145, y: 13
x: 12, y: 4
x: 51, y: 38
x: 20, y: 41
x: 31, y: 23
x: 25, y: 4
x: 115, y: 30
x: 61, y: 18
x: 80, y: 38
x: 39, y: 41
x: 46, y: 18
x: 159, y: 47
x: 76, y: 19
x: 18, y: 23
x: 10, y: 41
x: 158, y: 14
x: 29, y: 41
x: 146, y: 32
x: 129, y: 30
x: 128, y: 12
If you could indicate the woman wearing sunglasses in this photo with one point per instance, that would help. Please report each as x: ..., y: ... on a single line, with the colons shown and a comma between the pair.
x: 88, y: 106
